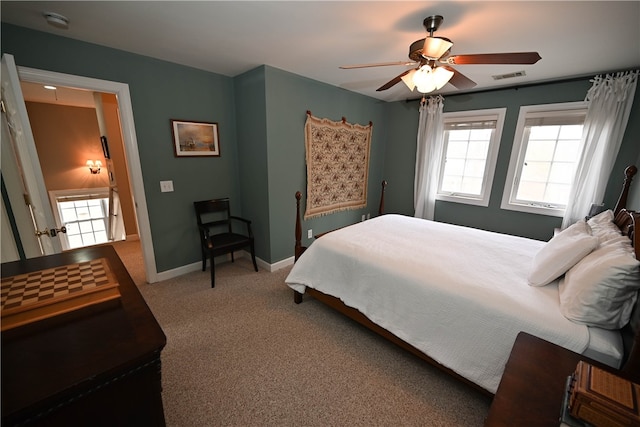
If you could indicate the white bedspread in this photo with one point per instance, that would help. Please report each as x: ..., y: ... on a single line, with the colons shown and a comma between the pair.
x: 458, y: 294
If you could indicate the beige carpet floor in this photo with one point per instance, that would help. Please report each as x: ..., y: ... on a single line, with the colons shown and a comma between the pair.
x: 243, y: 354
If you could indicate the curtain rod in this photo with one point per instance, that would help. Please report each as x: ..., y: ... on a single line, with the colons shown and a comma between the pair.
x: 525, y: 85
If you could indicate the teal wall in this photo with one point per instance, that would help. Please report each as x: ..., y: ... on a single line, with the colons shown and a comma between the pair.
x: 629, y: 151
x: 261, y: 116
x: 253, y: 168
x: 287, y: 97
x: 401, y: 154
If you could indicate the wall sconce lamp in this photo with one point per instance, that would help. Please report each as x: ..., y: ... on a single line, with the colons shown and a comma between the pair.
x: 94, y: 167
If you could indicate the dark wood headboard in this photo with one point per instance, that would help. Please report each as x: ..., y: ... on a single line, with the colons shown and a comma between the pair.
x: 299, y: 249
x: 629, y: 173
x: 627, y: 221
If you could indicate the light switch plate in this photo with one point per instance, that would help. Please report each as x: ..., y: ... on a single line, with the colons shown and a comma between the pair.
x: 166, y: 186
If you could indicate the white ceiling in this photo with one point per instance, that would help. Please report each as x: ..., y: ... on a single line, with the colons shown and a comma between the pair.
x: 36, y: 92
x: 313, y: 38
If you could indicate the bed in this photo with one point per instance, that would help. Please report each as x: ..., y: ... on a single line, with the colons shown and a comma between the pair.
x: 457, y: 296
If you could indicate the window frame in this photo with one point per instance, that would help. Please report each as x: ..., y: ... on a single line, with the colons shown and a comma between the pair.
x: 497, y: 114
x: 518, y: 151
x: 77, y: 195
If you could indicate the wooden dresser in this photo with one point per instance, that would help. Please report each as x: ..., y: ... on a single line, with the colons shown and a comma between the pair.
x: 97, y: 366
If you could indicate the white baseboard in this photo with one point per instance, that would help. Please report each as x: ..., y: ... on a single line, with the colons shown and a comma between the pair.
x: 270, y: 267
x: 175, y: 272
x: 281, y: 264
x: 197, y: 266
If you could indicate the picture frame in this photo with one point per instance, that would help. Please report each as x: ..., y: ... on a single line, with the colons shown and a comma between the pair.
x: 105, y: 147
x: 195, y: 139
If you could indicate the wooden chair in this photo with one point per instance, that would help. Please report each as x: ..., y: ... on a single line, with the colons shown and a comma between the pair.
x: 216, y: 233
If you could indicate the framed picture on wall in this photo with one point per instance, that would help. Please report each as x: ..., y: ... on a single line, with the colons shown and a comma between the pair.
x: 195, y: 139
x: 105, y: 147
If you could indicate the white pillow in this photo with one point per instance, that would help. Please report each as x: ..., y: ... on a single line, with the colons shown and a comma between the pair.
x: 561, y: 253
x: 602, y: 288
x: 604, y: 229
x: 604, y: 217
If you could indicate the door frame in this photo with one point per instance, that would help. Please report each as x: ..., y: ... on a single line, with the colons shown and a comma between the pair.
x: 121, y: 90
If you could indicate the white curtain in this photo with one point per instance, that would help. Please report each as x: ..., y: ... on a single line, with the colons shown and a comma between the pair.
x: 428, y: 154
x: 609, y: 104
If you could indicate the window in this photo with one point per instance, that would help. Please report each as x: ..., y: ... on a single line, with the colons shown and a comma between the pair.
x: 546, y: 149
x: 84, y: 213
x: 470, y: 147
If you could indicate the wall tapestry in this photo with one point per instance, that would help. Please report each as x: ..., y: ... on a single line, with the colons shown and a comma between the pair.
x: 337, y: 155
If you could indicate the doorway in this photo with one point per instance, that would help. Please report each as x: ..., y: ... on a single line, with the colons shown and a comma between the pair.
x: 79, y: 142
x: 121, y: 92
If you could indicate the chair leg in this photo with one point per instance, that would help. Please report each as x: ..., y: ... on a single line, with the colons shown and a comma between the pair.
x: 213, y: 273
x: 253, y: 257
x: 204, y: 260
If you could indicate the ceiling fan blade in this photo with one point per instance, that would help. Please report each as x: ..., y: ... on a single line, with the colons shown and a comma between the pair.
x: 459, y: 80
x: 379, y: 64
x: 393, y: 81
x: 495, y: 58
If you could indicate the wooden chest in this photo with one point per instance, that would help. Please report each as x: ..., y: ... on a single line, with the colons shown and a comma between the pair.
x: 603, y: 399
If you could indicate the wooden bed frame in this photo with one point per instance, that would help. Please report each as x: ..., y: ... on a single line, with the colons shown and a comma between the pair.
x: 624, y: 219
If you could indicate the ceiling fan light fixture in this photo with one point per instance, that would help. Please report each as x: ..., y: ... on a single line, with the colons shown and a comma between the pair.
x: 408, y: 80
x: 441, y: 76
x: 435, y: 47
x: 423, y: 80
x: 426, y: 79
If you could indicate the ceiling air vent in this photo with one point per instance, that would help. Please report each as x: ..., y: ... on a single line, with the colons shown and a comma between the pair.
x: 509, y: 75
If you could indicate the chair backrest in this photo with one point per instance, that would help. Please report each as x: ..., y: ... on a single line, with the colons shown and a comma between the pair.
x: 213, y: 213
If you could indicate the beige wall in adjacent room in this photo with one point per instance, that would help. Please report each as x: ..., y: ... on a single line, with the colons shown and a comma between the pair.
x: 66, y: 137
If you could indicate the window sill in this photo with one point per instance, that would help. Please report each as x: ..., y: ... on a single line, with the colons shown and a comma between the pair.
x: 538, y: 210
x: 461, y: 199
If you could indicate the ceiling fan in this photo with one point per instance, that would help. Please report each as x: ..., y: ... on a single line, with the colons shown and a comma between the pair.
x: 432, y: 62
